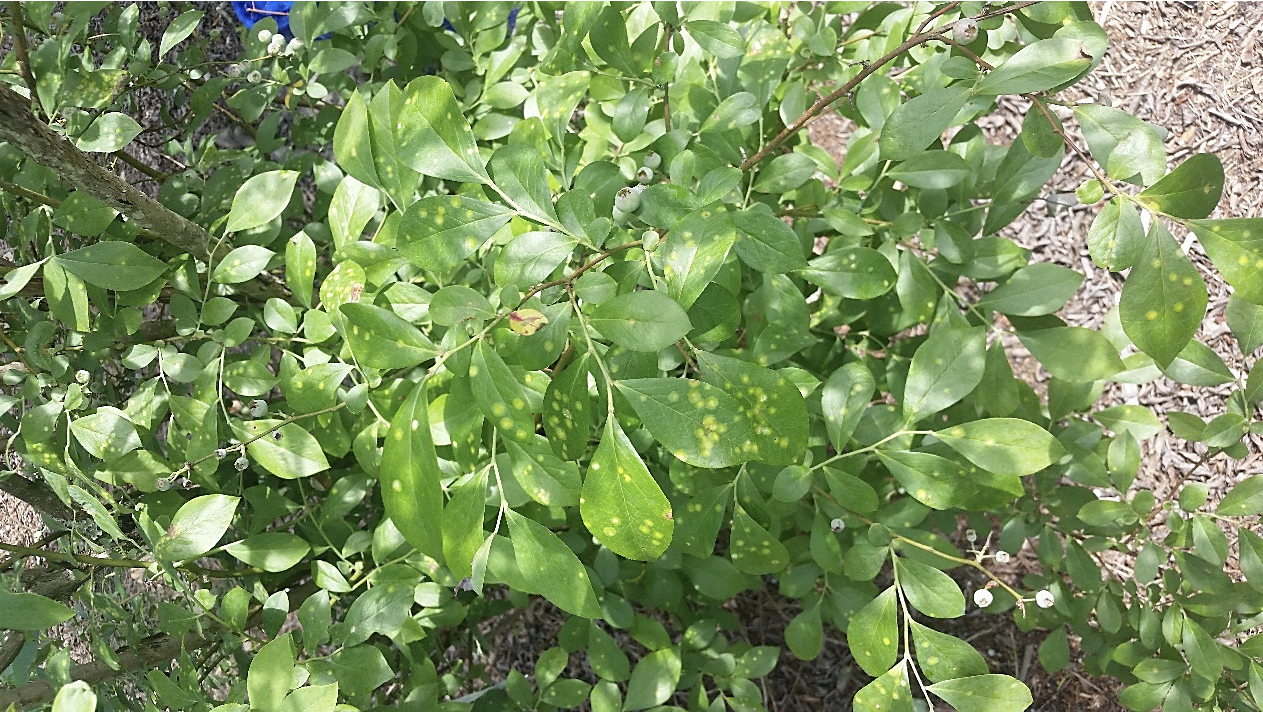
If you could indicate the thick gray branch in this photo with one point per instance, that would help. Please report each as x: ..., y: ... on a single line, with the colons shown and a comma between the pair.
x: 20, y: 128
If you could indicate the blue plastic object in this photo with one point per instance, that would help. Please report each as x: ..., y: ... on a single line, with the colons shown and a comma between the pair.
x: 253, y: 11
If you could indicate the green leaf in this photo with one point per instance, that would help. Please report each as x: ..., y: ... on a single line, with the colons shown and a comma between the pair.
x: 844, y: 399
x: 1246, y: 322
x: 1139, y: 144
x: 888, y: 693
x: 432, y: 135
x: 360, y: 669
x: 717, y: 38
x: 945, y: 369
x: 929, y: 590
x: 771, y: 403
x: 1005, y: 446
x: 353, y: 205
x: 1073, y: 353
x: 380, y: 339
x: 179, y: 30
x: 919, y: 122
x: 548, y: 479
x: 785, y: 173
x: 693, y: 253
x: 107, y: 434
x: 931, y: 169
x: 631, y: 113
x: 1235, y: 247
x: 382, y: 609
x: 695, y: 421
x: 1198, y: 365
x: 752, y: 548
x: 248, y: 378
x: 242, y: 264
x: 455, y: 303
x: 197, y: 527
x: 271, y: 551
x: 531, y: 257
x: 1245, y: 499
x: 315, y: 387
x: 1034, y: 290
x: 297, y: 454
x: 1192, y: 190
x: 852, y: 272
x: 622, y: 506
x: 845, y: 487
x: 1164, y: 299
x: 260, y: 200
x: 76, y: 696
x: 1042, y: 131
x: 504, y: 401
x: 984, y: 693
x: 557, y: 97
x: 1116, y: 238
x: 31, y: 611
x: 738, y: 110
x: 567, y: 414
x: 352, y: 145
x: 314, y: 698
x: 271, y: 674
x: 944, y: 657
x: 462, y: 524
x: 109, y: 133
x: 654, y: 680
x: 873, y: 633
x: 1137, y: 420
x: 300, y: 267
x: 577, y: 19
x: 550, y: 568
x: 520, y: 173
x: 936, y: 482
x: 805, y: 634
x: 410, y: 476
x: 120, y: 266
x: 605, y: 657
x: 641, y: 321
x: 766, y: 243
x: 1036, y: 67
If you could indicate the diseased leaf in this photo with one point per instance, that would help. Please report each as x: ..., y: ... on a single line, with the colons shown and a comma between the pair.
x: 770, y: 402
x: 120, y: 266
x: 844, y: 400
x: 433, y: 137
x: 622, y: 506
x: 1073, y: 353
x: 1117, y: 237
x: 873, y: 633
x: 1235, y: 247
x: 410, y: 476
x: 641, y: 321
x: 1038, y: 66
x: 852, y: 272
x: 380, y: 339
x: 945, y: 369
x: 695, y: 421
x: 1005, y: 446
x: 984, y: 693
x: 1164, y: 299
x: 260, y: 200
x: 1192, y: 190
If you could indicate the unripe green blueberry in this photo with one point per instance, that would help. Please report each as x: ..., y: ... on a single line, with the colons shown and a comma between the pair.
x: 644, y: 175
x: 621, y: 216
x: 254, y: 77
x: 293, y: 46
x: 649, y: 240
x: 265, y: 35
x: 82, y: 376
x: 626, y: 201
x: 241, y: 463
x: 965, y: 31
x: 258, y: 408
x: 652, y: 160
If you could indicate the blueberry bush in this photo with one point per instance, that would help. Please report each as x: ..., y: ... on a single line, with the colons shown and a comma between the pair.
x: 500, y: 302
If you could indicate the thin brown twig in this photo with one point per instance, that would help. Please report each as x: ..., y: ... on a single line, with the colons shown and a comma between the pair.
x: 19, y: 48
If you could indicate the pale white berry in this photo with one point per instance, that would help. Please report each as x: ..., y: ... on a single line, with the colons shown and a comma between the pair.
x: 276, y: 45
x: 1002, y: 557
x: 254, y: 77
x: 293, y: 46
x: 837, y: 525
x: 1044, y: 599
x: 241, y: 463
x: 653, y: 160
x: 644, y: 175
x: 265, y: 35
x: 258, y: 408
x: 220, y: 453
x: 162, y: 484
x: 627, y: 200
x: 983, y: 598
x: 82, y: 376
x: 965, y: 31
